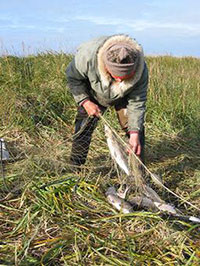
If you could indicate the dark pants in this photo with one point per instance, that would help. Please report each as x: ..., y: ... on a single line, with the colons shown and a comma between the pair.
x: 84, y: 127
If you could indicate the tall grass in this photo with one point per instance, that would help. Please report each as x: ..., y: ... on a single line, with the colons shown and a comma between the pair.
x: 50, y: 215
x: 174, y: 93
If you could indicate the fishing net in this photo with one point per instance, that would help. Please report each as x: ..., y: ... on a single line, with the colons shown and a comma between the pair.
x: 136, y: 178
x: 58, y: 155
x: 81, y: 141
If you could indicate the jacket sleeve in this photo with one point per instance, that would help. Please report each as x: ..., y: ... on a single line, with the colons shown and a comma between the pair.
x: 137, y: 103
x: 77, y: 81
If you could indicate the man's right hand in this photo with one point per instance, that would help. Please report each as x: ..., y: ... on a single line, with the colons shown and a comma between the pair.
x: 91, y: 108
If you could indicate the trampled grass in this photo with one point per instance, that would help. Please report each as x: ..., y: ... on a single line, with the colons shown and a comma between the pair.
x: 50, y: 215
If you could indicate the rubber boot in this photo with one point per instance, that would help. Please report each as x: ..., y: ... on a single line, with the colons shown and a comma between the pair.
x: 84, y: 127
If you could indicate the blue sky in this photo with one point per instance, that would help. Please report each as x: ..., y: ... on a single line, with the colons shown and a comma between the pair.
x: 162, y: 27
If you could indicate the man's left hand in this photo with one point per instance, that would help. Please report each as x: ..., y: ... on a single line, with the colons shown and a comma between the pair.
x: 134, y: 142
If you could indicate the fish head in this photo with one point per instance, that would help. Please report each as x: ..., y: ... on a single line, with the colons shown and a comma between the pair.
x: 165, y: 207
x: 111, y: 191
x: 115, y: 201
x: 119, y: 203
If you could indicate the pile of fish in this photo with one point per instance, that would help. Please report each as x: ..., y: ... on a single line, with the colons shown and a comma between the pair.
x: 146, y: 197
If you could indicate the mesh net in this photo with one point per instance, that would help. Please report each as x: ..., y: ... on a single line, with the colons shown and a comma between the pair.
x: 96, y: 155
x: 54, y: 155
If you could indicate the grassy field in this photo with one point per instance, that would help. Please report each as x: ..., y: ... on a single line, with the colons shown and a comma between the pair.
x: 71, y: 223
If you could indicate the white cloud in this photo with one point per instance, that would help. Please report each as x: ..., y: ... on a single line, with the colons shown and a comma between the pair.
x: 142, y: 25
x: 138, y: 25
x: 8, y: 22
x: 24, y: 27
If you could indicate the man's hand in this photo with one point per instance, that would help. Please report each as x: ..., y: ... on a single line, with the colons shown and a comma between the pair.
x: 91, y: 108
x: 134, y: 142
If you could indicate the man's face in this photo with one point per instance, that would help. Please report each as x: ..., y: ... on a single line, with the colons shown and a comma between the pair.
x: 120, y: 79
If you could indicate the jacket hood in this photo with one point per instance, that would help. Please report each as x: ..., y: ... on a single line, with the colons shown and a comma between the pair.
x: 106, y: 79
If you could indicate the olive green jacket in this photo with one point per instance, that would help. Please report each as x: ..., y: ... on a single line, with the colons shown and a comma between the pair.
x: 87, y: 78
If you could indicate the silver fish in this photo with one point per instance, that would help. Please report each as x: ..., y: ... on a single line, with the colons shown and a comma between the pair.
x: 151, y: 194
x: 148, y: 203
x: 117, y: 202
x: 149, y: 200
x: 144, y: 202
x: 117, y: 153
x: 145, y: 190
x: 165, y: 207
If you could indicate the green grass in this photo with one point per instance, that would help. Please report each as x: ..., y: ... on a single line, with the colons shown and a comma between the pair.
x: 71, y: 223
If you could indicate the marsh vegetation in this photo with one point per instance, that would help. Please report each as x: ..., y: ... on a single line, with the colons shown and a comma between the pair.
x: 50, y: 215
